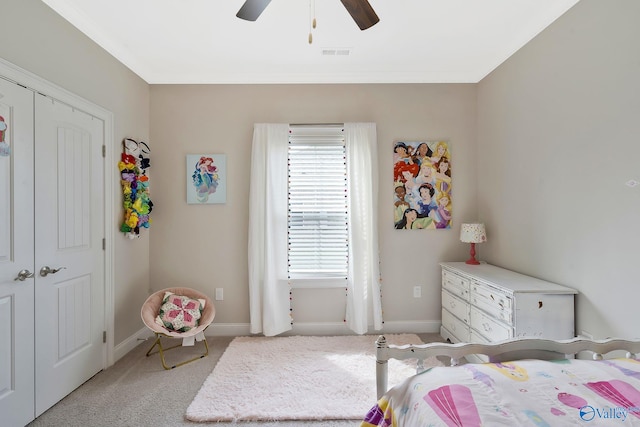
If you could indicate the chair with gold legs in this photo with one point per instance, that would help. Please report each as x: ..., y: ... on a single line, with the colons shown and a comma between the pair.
x: 150, y: 310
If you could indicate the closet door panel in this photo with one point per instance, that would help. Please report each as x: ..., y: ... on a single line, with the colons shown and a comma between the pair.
x: 16, y: 255
x: 73, y: 192
x: 69, y: 225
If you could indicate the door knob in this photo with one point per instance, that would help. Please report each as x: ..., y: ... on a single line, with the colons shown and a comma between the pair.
x: 48, y: 270
x: 23, y: 275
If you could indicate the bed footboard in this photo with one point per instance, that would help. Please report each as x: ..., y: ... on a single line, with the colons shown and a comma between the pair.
x: 523, y: 348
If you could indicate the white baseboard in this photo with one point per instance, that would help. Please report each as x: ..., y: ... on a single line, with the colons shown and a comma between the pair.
x: 321, y: 329
x: 228, y: 330
x: 336, y: 328
x: 412, y: 327
x: 130, y: 343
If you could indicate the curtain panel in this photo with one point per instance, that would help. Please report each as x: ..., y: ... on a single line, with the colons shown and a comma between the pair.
x: 364, y: 301
x: 268, y: 281
x: 268, y: 277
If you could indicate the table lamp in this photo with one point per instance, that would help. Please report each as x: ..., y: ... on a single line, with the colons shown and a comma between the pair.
x: 473, y: 233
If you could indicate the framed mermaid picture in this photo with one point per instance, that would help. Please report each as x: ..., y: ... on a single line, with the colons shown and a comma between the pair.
x: 206, y: 179
x: 422, y: 185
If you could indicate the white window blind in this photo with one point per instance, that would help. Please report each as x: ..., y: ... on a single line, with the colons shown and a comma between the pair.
x: 317, y: 218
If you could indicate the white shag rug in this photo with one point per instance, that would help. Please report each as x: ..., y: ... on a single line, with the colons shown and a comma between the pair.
x: 297, y: 378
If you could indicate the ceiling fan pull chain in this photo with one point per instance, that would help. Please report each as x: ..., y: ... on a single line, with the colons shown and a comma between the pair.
x: 313, y: 23
x: 312, y: 19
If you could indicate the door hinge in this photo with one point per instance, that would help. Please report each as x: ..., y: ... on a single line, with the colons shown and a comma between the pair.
x: 104, y: 336
x: 104, y: 151
x: 104, y: 244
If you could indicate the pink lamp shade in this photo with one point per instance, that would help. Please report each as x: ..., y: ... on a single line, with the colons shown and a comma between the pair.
x: 473, y: 233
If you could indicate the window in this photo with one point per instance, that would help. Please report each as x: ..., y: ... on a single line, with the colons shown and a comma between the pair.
x: 317, y: 221
x: 277, y: 259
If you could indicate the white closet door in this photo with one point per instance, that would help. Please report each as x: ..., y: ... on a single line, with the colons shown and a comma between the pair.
x: 16, y: 254
x: 69, y: 231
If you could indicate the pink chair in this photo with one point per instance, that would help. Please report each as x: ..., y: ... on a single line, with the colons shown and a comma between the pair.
x: 150, y: 310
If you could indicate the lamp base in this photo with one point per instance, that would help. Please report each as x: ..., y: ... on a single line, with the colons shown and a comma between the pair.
x: 473, y: 260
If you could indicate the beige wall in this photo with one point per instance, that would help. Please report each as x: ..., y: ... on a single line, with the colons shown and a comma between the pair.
x: 556, y: 127
x: 206, y: 246
x: 558, y: 137
x: 36, y: 39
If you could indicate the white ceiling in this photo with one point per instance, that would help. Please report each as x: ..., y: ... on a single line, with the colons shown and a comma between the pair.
x: 416, y: 41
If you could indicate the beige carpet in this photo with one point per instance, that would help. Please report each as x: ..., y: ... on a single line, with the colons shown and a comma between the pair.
x: 296, y: 378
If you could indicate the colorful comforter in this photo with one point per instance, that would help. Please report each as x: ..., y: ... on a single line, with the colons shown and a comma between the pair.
x: 522, y: 393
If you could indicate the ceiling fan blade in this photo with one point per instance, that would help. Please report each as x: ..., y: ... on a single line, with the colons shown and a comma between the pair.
x: 251, y: 9
x: 361, y: 12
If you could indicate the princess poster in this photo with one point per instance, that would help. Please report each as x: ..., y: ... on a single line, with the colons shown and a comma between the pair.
x: 206, y: 178
x: 422, y: 185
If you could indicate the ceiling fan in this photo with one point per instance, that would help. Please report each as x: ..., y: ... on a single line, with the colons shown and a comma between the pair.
x: 360, y: 10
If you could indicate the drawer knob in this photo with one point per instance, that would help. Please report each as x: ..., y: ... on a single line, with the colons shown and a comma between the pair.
x: 452, y: 304
x: 487, y: 327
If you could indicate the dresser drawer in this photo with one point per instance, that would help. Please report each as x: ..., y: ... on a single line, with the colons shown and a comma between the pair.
x: 490, y: 328
x: 457, y: 285
x: 476, y: 337
x: 493, y: 301
x: 454, y: 325
x: 456, y: 306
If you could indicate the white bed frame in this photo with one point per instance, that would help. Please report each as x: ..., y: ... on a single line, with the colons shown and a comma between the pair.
x: 523, y: 348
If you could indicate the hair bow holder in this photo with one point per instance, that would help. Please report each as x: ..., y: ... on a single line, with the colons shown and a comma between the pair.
x: 136, y: 202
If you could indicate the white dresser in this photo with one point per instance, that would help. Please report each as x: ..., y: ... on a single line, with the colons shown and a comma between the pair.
x: 484, y: 303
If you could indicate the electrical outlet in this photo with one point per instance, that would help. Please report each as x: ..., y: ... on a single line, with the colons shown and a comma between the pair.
x: 219, y: 294
x: 417, y: 291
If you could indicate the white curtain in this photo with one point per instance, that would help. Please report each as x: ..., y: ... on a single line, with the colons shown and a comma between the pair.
x: 268, y: 282
x: 364, y: 301
x: 268, y: 279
